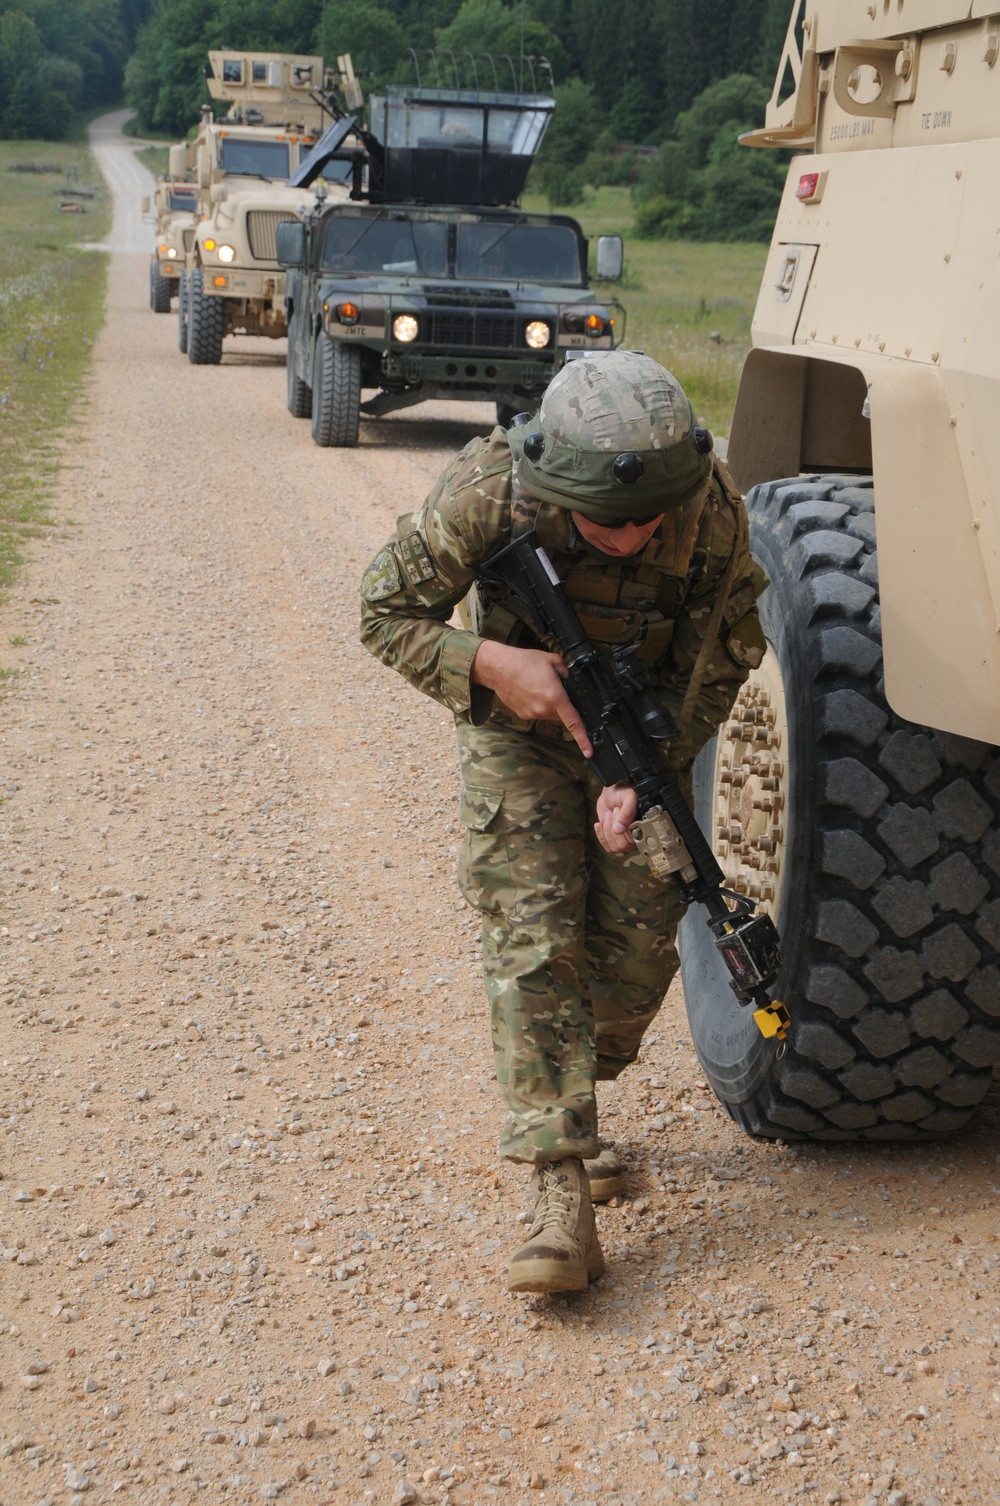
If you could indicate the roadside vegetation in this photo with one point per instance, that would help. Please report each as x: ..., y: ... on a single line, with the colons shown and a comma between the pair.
x: 688, y: 305
x: 51, y: 308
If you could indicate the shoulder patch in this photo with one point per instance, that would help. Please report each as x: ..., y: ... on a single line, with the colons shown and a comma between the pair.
x: 381, y: 579
x: 416, y: 559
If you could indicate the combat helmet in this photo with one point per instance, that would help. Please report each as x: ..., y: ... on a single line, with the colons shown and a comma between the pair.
x: 614, y: 437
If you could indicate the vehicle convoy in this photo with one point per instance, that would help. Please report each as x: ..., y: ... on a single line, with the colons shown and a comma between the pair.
x: 232, y: 283
x: 175, y: 207
x: 855, y: 788
x: 425, y: 283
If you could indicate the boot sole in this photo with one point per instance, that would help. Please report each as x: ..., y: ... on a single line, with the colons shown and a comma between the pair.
x: 541, y: 1276
x: 603, y: 1189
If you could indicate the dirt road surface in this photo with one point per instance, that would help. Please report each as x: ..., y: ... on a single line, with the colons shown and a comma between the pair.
x: 251, y: 1215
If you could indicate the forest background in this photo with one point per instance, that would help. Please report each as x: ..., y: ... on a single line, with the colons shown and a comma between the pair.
x: 652, y: 94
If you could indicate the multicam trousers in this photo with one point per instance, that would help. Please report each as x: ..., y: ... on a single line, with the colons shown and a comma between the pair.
x: 578, y: 944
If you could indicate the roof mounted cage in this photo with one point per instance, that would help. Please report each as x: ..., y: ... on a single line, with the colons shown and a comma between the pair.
x: 459, y: 135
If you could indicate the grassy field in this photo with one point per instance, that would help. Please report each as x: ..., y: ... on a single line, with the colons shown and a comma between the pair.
x: 155, y: 158
x: 51, y: 307
x: 678, y: 297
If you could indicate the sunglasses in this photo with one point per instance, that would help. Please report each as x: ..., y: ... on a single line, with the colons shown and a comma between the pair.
x: 616, y: 523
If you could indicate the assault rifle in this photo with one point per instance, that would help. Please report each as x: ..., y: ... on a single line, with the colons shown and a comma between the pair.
x: 627, y: 723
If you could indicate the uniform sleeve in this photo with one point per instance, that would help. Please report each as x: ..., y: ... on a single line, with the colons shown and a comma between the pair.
x: 415, y: 581
x: 722, y: 561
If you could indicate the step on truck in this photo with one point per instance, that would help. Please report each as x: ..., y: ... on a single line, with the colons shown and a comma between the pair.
x: 855, y: 789
x: 232, y: 283
x: 428, y: 281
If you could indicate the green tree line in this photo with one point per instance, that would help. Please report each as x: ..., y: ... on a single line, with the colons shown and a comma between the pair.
x: 61, y: 56
x: 652, y: 93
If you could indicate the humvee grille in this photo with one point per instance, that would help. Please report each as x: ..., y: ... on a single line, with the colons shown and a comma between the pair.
x: 496, y: 331
x: 262, y: 231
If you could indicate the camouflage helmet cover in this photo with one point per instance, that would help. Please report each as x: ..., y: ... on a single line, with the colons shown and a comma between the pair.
x: 594, y: 411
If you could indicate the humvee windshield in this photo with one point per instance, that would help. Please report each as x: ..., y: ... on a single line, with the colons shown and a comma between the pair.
x: 528, y: 253
x: 181, y: 198
x: 355, y: 243
x: 268, y: 159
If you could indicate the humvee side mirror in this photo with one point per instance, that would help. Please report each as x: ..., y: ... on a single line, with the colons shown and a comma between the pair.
x: 145, y: 203
x: 291, y: 243
x: 610, y: 257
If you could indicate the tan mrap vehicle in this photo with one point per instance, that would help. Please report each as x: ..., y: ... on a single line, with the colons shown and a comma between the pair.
x: 855, y: 789
x: 232, y: 282
x: 174, y: 206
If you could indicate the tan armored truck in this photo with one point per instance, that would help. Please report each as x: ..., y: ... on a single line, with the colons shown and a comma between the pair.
x: 232, y: 282
x: 855, y: 789
x: 174, y: 208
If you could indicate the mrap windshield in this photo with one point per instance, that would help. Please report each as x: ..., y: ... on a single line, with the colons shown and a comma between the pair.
x: 265, y: 159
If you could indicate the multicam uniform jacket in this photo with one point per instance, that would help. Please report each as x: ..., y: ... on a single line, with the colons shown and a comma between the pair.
x: 663, y: 597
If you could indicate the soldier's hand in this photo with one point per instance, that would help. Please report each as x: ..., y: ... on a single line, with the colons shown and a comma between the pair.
x: 530, y: 683
x: 617, y: 808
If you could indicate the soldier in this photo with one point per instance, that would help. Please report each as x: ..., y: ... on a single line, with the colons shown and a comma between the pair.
x: 649, y: 537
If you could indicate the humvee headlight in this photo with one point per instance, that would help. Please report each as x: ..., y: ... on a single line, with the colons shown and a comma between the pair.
x: 226, y: 253
x: 169, y: 252
x: 209, y: 244
x: 573, y: 323
x: 405, y: 328
x: 537, y: 334
x: 593, y: 324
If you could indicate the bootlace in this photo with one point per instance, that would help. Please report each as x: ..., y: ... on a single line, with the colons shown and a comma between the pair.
x: 554, y: 1200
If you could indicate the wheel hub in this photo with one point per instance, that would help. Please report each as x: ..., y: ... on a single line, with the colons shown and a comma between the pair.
x: 751, y: 789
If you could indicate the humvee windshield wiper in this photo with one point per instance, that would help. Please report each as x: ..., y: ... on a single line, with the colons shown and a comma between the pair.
x: 359, y: 238
x: 502, y: 236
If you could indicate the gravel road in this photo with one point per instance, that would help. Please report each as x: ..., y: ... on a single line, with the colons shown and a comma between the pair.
x: 251, y: 1215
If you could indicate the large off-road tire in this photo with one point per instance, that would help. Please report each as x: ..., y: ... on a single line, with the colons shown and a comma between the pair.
x: 299, y: 392
x: 336, y: 393
x: 182, y: 315
x: 874, y: 843
x: 205, y: 324
x: 159, y: 291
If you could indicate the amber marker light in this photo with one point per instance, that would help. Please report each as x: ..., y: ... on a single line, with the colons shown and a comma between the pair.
x: 594, y: 324
x: 348, y: 313
x: 220, y: 282
x: 209, y: 244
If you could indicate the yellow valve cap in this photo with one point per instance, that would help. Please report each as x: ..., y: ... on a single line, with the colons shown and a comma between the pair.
x: 773, y: 1022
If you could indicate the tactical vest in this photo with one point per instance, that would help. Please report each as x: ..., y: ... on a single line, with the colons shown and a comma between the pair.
x: 619, y: 602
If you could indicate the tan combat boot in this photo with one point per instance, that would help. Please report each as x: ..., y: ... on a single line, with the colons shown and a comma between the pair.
x: 606, y: 1174
x: 562, y: 1252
